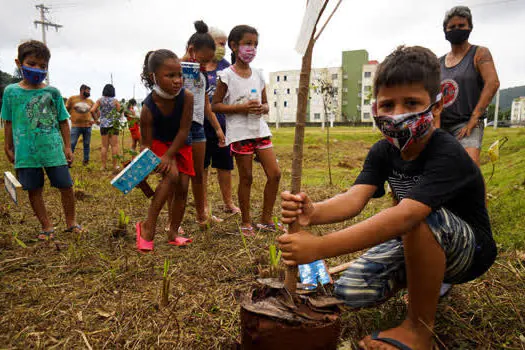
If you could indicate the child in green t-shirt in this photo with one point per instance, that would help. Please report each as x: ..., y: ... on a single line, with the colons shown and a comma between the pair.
x: 37, y: 135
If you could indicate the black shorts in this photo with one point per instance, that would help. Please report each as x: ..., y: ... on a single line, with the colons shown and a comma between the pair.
x: 33, y: 178
x: 218, y: 157
x: 108, y: 131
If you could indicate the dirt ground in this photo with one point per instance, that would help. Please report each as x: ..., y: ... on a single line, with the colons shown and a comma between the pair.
x: 95, y: 291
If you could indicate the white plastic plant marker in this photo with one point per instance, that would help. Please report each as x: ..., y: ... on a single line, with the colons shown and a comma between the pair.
x: 12, y: 186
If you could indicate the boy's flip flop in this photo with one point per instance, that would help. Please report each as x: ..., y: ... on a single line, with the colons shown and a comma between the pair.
x: 180, y: 241
x: 142, y: 245
x: 390, y: 341
x: 46, y: 235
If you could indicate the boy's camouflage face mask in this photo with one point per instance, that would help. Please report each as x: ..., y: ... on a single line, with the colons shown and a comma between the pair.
x: 403, y: 129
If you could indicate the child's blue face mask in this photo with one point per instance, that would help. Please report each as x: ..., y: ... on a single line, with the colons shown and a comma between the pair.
x: 34, y: 75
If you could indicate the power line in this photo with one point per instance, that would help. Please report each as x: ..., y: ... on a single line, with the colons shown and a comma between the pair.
x: 45, y: 23
x: 492, y: 3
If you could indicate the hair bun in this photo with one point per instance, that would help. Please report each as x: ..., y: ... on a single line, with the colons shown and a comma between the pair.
x: 201, y: 27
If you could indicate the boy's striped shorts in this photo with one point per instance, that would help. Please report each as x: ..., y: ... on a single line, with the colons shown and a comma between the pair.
x: 380, y: 272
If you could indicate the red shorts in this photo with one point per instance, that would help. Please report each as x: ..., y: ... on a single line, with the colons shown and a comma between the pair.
x: 249, y: 146
x: 183, y: 157
x: 135, y: 133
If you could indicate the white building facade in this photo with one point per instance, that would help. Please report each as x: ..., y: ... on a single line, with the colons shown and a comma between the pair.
x: 282, y: 92
x: 517, y: 114
x: 367, y: 93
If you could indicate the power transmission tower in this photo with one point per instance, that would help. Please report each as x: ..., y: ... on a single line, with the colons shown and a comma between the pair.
x: 45, y: 23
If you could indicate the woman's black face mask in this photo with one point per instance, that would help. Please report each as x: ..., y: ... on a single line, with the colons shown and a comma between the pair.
x: 457, y: 36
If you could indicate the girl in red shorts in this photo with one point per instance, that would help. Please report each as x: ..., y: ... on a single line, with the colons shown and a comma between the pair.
x: 241, y: 96
x: 134, y: 123
x: 165, y: 122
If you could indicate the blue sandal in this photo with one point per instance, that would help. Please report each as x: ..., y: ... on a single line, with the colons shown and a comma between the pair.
x: 46, y: 235
x: 390, y: 341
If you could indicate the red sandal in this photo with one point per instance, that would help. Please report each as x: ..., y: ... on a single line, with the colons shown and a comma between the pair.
x: 142, y: 245
x: 180, y: 241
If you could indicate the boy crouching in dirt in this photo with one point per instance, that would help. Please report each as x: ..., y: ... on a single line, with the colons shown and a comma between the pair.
x: 37, y: 135
x: 440, y: 229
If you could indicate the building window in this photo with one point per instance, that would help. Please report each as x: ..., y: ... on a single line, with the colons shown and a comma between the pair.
x: 285, y: 78
x: 317, y: 116
x: 288, y: 91
x: 285, y: 103
x: 275, y: 104
x: 368, y: 88
x: 334, y: 76
x: 296, y: 91
x: 277, y: 78
x: 275, y: 91
x: 368, y: 74
x: 336, y: 90
x: 366, y: 102
x: 366, y: 116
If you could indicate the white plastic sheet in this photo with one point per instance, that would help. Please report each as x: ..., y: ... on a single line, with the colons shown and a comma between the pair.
x: 313, y: 9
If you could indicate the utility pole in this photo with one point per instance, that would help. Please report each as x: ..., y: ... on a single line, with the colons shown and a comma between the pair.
x: 45, y: 25
x: 496, y: 111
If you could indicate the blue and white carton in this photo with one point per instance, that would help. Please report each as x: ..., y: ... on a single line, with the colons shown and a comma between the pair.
x: 313, y: 273
x: 190, y: 70
x: 136, y: 171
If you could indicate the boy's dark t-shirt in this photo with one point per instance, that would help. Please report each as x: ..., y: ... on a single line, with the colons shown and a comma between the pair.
x: 443, y: 175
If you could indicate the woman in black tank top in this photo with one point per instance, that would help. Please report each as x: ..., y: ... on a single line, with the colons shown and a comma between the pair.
x: 469, y: 82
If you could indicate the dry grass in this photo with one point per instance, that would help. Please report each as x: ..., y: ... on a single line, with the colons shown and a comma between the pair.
x: 95, y: 291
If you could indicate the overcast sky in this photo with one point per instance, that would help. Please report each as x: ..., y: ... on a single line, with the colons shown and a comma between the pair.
x: 101, y: 37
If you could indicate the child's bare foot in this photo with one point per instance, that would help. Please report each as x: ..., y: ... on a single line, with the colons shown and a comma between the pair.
x: 396, y: 338
x: 172, y: 234
x: 231, y: 209
x: 203, y: 224
x: 176, y: 238
x: 145, y: 231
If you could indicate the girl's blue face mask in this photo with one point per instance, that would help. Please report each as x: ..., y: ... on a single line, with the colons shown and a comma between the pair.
x: 34, y: 76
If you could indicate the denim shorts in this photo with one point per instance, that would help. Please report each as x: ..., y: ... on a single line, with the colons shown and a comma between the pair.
x: 197, y: 133
x: 380, y: 271
x: 476, y: 135
x: 33, y: 178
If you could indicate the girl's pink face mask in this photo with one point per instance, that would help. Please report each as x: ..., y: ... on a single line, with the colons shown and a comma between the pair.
x: 247, y: 53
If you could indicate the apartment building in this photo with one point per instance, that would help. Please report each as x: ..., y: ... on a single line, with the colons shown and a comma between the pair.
x: 283, y: 88
x: 367, y: 93
x: 517, y: 112
x: 352, y: 87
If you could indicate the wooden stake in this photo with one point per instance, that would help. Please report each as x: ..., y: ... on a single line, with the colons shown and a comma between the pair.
x: 339, y: 268
x: 290, y: 279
